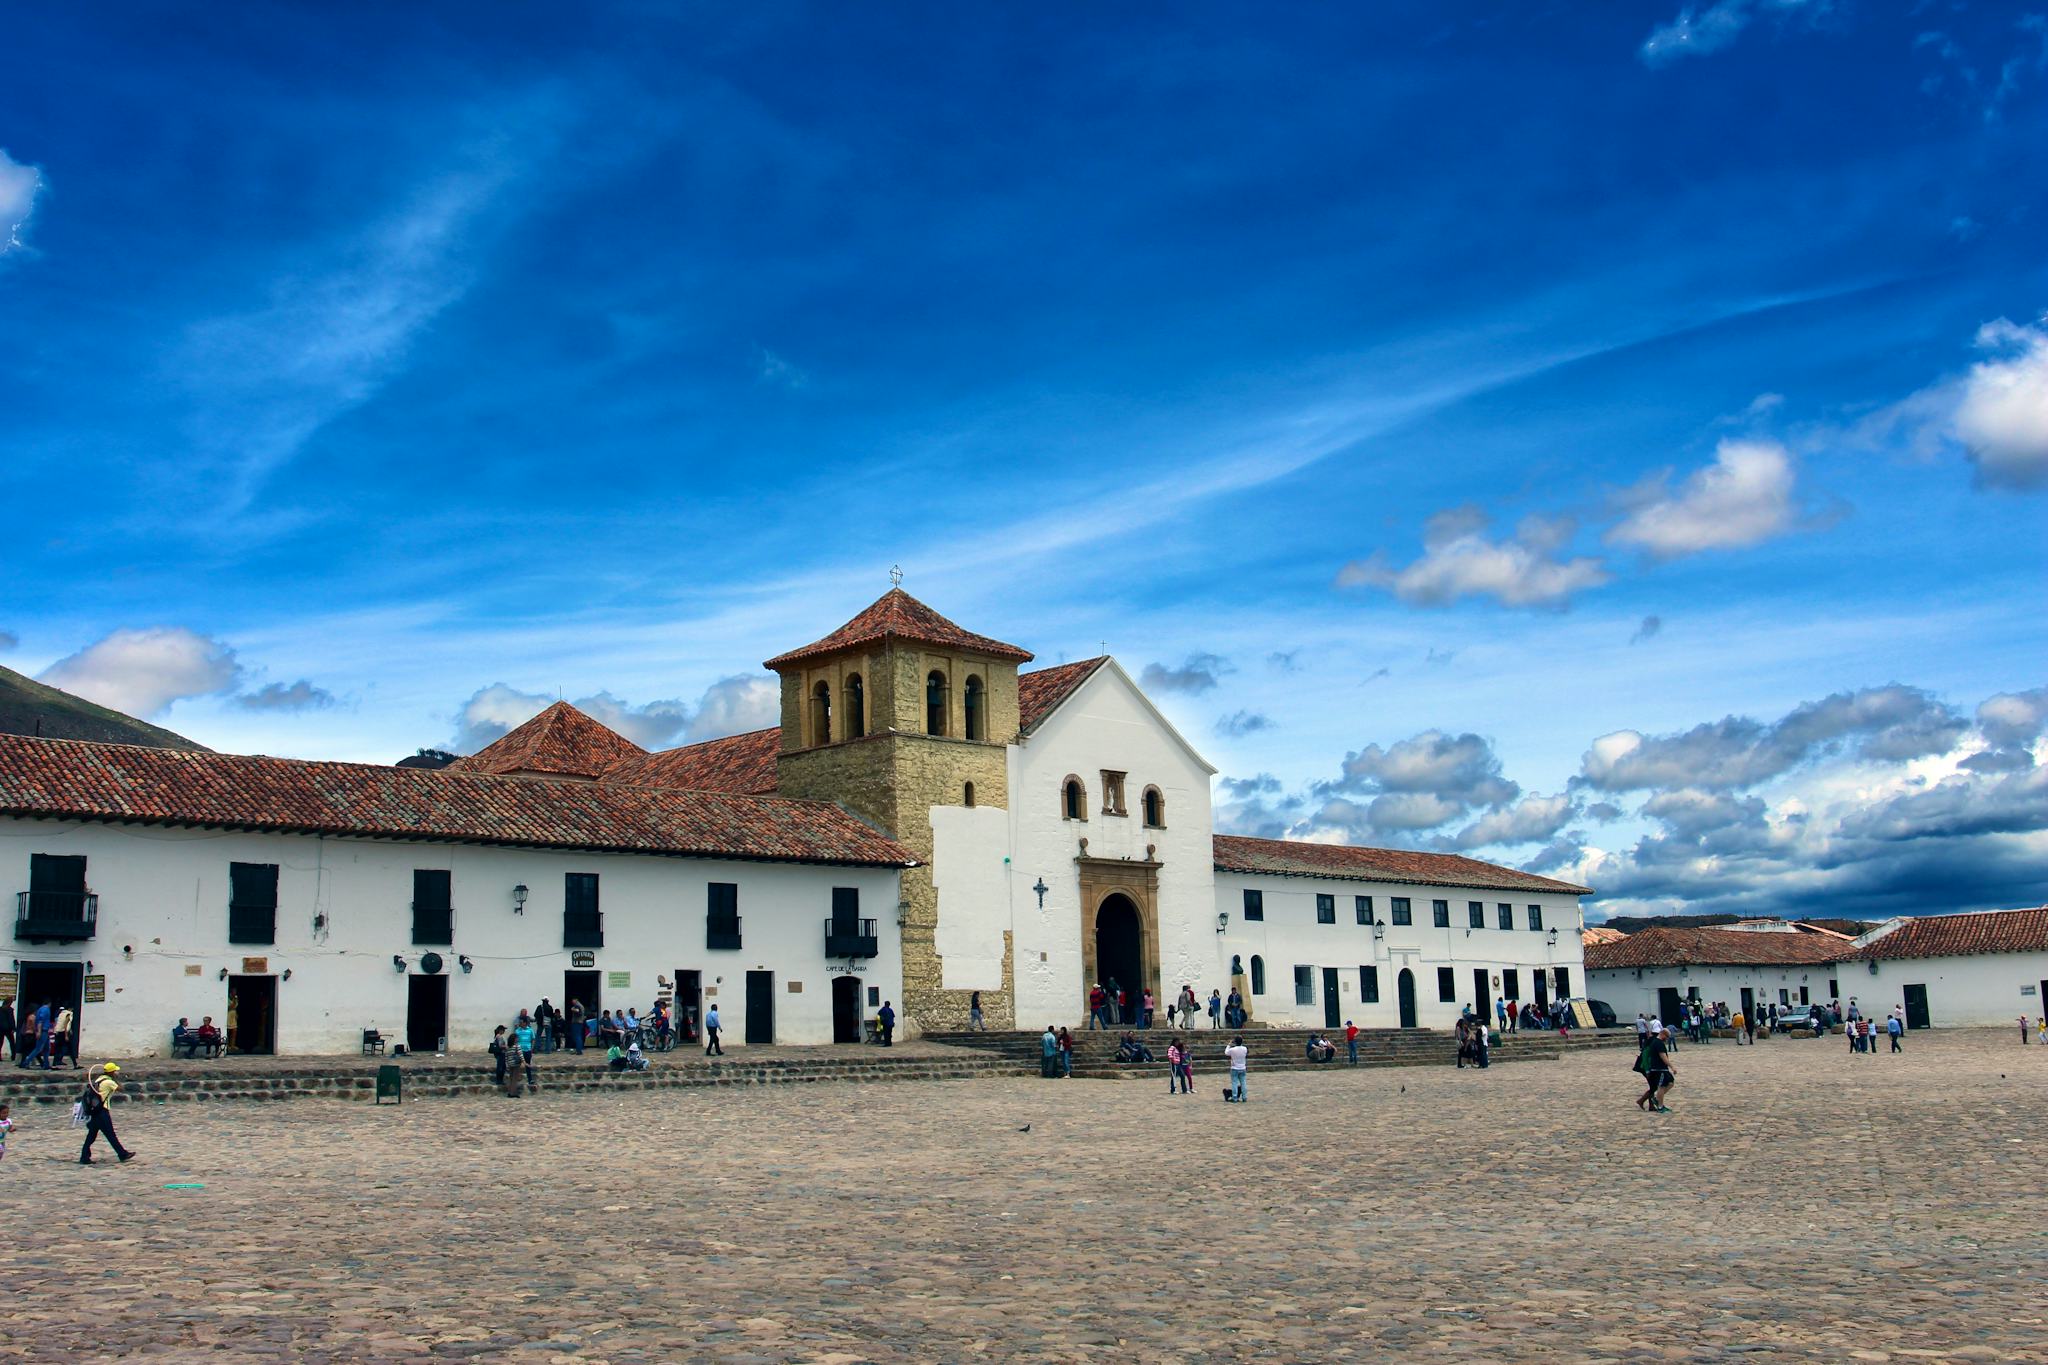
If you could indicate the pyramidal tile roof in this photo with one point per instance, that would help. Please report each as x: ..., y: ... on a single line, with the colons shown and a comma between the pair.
x: 559, y: 742
x: 899, y: 616
x: 122, y: 783
x: 738, y: 763
x: 1040, y: 691
x: 1295, y: 858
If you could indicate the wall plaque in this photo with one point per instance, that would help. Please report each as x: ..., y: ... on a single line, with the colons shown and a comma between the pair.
x: 584, y: 958
x: 255, y: 966
x: 796, y: 988
x: 194, y: 969
x: 619, y: 981
x: 96, y: 989
x: 10, y: 985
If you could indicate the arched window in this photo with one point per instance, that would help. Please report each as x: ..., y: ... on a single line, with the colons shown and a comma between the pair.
x: 1258, y: 975
x: 1074, y: 800
x: 935, y: 704
x: 856, y: 708
x: 1155, y: 809
x: 972, y: 699
x: 821, y: 714
x: 968, y: 794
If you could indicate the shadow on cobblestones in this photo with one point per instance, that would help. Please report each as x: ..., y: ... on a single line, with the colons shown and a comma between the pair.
x: 1801, y: 1202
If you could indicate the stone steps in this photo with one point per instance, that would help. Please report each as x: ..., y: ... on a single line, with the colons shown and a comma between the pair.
x: 1270, y: 1050
x: 358, y: 1082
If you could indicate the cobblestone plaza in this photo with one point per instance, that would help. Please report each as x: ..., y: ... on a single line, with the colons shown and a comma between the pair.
x: 1802, y: 1202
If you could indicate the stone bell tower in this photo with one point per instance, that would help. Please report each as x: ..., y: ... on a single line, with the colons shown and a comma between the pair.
x: 895, y: 713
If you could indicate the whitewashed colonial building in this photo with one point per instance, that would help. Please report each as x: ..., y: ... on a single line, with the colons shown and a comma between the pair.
x: 926, y: 825
x: 1985, y: 967
x: 1654, y: 971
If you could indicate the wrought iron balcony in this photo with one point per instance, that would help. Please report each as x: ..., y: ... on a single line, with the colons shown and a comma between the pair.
x: 63, y: 915
x: 851, y: 938
x: 722, y: 932
x: 582, y: 929
x: 433, y: 925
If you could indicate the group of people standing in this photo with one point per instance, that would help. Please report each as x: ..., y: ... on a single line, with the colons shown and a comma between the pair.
x: 45, y: 1036
x: 1111, y: 1006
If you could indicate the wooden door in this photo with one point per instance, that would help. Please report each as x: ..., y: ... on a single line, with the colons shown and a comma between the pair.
x: 1916, y: 1007
x: 760, y: 1007
x: 1333, y: 1008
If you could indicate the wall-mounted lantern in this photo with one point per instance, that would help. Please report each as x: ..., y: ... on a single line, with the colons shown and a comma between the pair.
x: 1222, y: 920
x: 397, y: 963
x: 519, y: 899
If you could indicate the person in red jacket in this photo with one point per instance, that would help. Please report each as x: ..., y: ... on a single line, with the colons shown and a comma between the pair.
x: 1351, y: 1040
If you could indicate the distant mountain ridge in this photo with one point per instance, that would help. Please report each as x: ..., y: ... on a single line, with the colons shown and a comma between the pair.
x: 28, y: 707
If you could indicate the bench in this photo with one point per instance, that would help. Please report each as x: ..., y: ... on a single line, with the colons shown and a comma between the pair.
x: 192, y: 1045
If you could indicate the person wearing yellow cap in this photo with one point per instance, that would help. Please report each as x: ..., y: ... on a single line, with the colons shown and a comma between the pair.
x: 99, y: 1093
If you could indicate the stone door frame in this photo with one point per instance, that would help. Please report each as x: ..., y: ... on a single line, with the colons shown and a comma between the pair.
x: 1137, y: 882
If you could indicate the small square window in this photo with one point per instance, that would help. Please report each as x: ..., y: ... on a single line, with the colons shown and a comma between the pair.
x: 1446, y: 984
x: 1535, y: 917
x: 1507, y: 915
x: 1475, y: 914
x: 1440, y: 914
x: 1402, y: 914
x: 1326, y: 909
x: 1364, y: 906
x: 1254, y: 904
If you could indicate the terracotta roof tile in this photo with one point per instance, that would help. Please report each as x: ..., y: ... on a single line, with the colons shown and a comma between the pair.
x: 1042, y: 690
x: 1668, y: 947
x: 559, y: 742
x: 1292, y: 858
x: 898, y: 615
x: 70, y: 779
x: 1965, y: 935
x: 738, y: 763
x: 1600, y: 933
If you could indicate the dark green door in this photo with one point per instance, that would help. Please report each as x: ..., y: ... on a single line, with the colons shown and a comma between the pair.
x: 1405, y: 984
x: 1916, y: 1007
x: 1333, y: 1010
x: 760, y: 1007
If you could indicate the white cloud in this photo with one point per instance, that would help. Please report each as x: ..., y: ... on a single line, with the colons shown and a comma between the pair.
x: 19, y: 186
x: 298, y: 696
x: 1745, y: 497
x: 1197, y: 673
x: 2001, y: 413
x: 729, y: 706
x: 1529, y: 820
x: 141, y: 672
x: 1459, y: 561
x: 1699, y: 32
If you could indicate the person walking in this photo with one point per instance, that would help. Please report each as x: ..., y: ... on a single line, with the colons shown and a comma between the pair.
x: 1351, y: 1040
x: 499, y: 1052
x: 1239, y: 1056
x: 65, y: 1042
x: 1215, y: 1008
x: 522, y: 1038
x: 99, y: 1093
x: 886, y: 1018
x: 1658, y: 1075
x: 39, y: 1039
x: 974, y: 1020
x: 1500, y: 1013
x: 1173, y: 1067
x: 712, y: 1047
x: 1895, y: 1028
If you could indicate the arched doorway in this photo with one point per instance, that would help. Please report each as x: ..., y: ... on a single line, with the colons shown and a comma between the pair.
x: 1120, y: 951
x: 1406, y: 986
x: 845, y: 1009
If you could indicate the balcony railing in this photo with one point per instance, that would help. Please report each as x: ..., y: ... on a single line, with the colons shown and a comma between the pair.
x: 722, y: 932
x: 63, y: 915
x: 851, y: 938
x: 582, y: 929
x: 433, y: 925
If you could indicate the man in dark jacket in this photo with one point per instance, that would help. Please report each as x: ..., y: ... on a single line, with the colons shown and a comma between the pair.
x: 886, y: 1018
x: 575, y: 1025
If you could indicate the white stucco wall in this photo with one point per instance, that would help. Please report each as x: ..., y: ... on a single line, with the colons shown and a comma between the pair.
x: 1290, y: 936
x: 1106, y: 724
x: 1633, y: 990
x: 970, y: 870
x: 163, y: 893
x: 1985, y: 988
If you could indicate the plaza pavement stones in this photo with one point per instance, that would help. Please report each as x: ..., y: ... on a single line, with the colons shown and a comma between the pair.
x: 1802, y: 1203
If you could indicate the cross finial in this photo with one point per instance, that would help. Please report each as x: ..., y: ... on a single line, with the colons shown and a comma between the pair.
x: 895, y: 575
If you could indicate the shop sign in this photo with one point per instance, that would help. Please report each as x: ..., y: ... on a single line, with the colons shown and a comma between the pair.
x: 583, y: 958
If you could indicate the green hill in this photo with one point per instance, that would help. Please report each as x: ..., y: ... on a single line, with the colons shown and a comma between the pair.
x: 28, y: 707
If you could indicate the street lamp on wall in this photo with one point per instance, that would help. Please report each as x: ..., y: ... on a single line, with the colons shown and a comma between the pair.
x: 1222, y: 920
x: 519, y: 899
x: 1379, y: 931
x: 1553, y: 938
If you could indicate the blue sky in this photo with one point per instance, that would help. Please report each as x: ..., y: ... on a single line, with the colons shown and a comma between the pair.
x: 1421, y: 400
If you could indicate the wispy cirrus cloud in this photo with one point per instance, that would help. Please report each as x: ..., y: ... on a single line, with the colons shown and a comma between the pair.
x: 19, y: 187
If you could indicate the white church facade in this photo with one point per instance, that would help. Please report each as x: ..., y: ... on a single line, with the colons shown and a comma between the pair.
x: 928, y: 823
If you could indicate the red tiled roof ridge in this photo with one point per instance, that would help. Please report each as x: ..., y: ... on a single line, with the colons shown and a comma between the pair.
x: 1672, y: 946
x: 85, y: 780
x: 744, y: 763
x: 561, y: 740
x: 1041, y: 691
x: 1300, y: 858
x: 1967, y: 933
x: 898, y: 615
